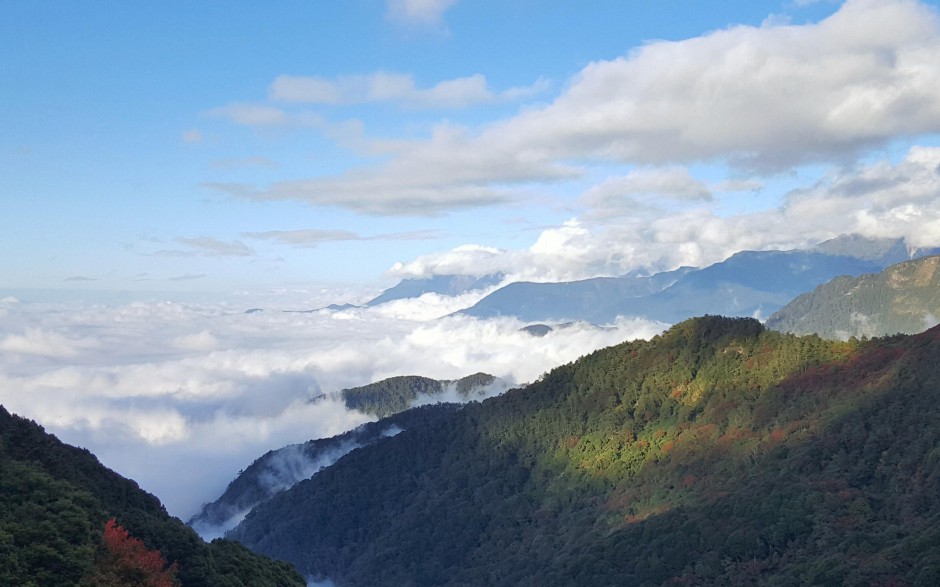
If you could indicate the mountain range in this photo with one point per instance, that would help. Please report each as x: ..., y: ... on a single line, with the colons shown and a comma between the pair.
x: 904, y: 298
x: 749, y: 283
x: 717, y: 453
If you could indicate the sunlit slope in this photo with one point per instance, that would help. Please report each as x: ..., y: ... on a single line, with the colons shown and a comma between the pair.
x: 904, y: 298
x: 716, y: 453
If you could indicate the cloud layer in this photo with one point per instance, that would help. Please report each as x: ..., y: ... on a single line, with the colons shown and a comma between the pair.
x: 203, y: 390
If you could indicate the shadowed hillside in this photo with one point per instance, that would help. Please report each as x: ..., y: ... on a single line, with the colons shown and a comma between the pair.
x: 55, y: 500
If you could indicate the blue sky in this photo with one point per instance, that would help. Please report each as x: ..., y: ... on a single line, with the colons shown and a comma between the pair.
x: 180, y: 146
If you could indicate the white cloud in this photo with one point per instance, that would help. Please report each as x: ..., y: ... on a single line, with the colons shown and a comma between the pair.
x: 645, y: 187
x: 427, y: 13
x: 37, y: 341
x: 757, y: 98
x: 881, y: 200
x: 203, y: 390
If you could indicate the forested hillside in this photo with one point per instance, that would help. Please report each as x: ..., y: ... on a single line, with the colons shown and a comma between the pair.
x: 396, y: 394
x: 717, y: 453
x: 904, y: 298
x: 67, y: 520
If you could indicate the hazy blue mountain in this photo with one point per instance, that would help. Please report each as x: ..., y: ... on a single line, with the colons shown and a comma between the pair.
x: 904, y: 298
x: 587, y: 299
x: 450, y: 285
x: 886, y: 251
x: 749, y: 283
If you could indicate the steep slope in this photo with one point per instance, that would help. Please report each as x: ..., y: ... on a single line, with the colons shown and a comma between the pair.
x: 904, y: 298
x: 749, y: 283
x: 450, y: 285
x: 55, y: 500
x: 281, y: 469
x: 716, y: 453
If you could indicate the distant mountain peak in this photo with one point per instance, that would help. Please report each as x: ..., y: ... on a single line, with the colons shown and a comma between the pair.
x: 450, y: 285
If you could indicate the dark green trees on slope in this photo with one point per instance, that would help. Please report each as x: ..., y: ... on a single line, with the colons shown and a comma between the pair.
x: 717, y: 453
x: 55, y: 500
x: 396, y: 394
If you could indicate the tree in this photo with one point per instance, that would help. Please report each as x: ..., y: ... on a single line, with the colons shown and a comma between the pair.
x: 124, y: 560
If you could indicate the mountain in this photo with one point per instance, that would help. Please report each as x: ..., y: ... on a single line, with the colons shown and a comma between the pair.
x: 884, y: 251
x: 718, y: 453
x: 396, y: 394
x: 67, y: 520
x: 904, y: 298
x: 588, y: 299
x: 749, y: 283
x: 449, y: 285
x: 281, y: 469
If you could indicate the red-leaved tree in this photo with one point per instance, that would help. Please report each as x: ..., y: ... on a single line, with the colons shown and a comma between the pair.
x: 126, y: 561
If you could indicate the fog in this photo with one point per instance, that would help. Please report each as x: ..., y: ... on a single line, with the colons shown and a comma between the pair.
x: 181, y: 396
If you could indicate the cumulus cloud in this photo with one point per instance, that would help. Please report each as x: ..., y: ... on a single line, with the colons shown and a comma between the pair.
x: 760, y: 99
x: 639, y: 186
x: 883, y: 199
x: 203, y: 390
x: 765, y: 97
x: 394, y: 87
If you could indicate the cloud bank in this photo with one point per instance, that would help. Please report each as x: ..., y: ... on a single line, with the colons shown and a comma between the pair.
x: 202, y: 390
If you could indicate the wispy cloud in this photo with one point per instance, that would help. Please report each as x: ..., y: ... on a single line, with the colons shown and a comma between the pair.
x: 187, y: 277
x: 193, y: 135
x: 395, y: 87
x: 244, y: 162
x: 425, y: 13
x: 311, y: 238
x: 207, y: 247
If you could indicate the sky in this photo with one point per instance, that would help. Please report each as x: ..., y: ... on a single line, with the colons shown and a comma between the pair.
x: 165, y: 166
x: 207, y: 147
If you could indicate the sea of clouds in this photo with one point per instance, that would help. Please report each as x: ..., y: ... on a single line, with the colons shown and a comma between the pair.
x: 181, y: 396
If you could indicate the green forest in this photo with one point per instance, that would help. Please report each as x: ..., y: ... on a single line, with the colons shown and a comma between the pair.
x: 716, y: 453
x: 396, y: 394
x: 904, y: 298
x: 67, y: 520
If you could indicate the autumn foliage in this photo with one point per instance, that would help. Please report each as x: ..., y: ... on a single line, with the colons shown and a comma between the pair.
x: 125, y: 560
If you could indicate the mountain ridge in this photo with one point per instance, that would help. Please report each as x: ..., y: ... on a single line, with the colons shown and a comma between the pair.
x: 904, y: 298
x: 719, y: 452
